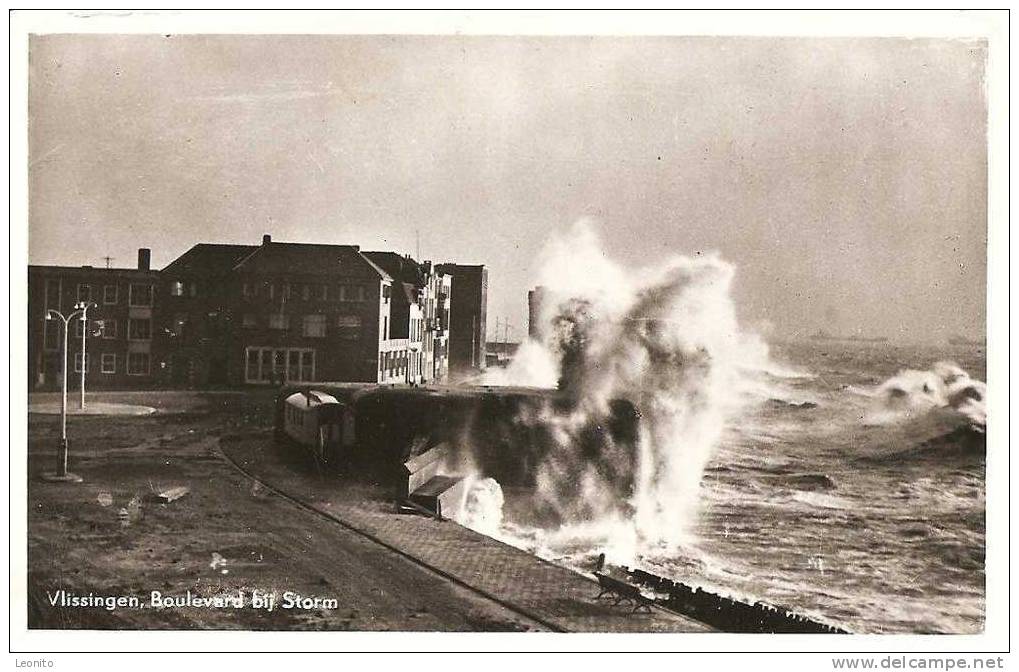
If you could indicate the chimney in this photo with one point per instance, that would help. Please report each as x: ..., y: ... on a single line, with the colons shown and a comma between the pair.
x: 144, y: 259
x: 266, y: 239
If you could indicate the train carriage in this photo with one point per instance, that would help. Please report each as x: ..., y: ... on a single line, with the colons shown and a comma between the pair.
x: 316, y: 421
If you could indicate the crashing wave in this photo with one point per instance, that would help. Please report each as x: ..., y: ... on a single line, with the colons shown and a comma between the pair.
x: 944, y: 385
x: 665, y: 339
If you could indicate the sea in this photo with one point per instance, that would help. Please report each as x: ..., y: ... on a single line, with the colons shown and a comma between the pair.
x: 851, y: 492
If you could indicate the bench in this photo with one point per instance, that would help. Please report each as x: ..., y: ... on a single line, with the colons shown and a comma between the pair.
x: 622, y: 592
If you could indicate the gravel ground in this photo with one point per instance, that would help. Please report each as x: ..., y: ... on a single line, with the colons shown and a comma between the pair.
x: 108, y: 536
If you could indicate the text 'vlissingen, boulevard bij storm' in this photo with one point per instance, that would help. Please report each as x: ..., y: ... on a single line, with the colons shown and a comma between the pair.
x: 255, y: 599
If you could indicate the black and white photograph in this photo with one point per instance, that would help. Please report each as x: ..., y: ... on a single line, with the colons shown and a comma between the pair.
x: 382, y: 322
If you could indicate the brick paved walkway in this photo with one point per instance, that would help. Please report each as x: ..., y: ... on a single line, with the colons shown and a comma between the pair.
x: 544, y: 591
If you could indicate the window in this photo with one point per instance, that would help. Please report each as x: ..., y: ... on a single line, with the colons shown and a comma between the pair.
x: 79, y: 328
x: 386, y: 290
x: 139, y: 330
x: 249, y: 289
x: 176, y: 288
x: 137, y: 363
x: 251, y: 366
x: 323, y: 293
x: 266, y: 372
x: 77, y: 362
x: 385, y: 327
x: 349, y: 326
x: 51, y: 334
x: 362, y: 293
x: 272, y: 290
x: 109, y: 363
x: 278, y: 321
x: 315, y: 326
x: 287, y: 290
x: 305, y: 292
x: 53, y: 294
x: 109, y: 294
x: 84, y: 292
x: 265, y: 364
x: 140, y: 295
x: 249, y: 320
x: 108, y: 328
x: 307, y: 365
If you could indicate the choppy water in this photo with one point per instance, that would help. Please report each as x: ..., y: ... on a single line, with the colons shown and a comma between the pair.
x: 872, y: 523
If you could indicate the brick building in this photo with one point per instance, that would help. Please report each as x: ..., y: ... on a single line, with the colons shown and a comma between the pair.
x: 121, y: 333
x: 226, y: 315
x: 467, y: 314
x: 259, y: 314
x: 278, y: 312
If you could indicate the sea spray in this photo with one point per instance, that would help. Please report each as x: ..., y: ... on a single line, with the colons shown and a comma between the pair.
x: 482, y: 507
x: 666, y: 339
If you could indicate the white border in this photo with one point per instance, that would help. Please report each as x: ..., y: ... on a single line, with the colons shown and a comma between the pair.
x: 992, y: 26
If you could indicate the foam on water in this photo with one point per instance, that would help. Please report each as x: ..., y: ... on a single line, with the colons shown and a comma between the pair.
x: 809, y: 483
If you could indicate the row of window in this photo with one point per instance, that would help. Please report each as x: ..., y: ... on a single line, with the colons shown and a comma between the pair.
x: 288, y: 291
x: 138, y: 363
x: 264, y: 364
x: 312, y: 326
x: 417, y: 329
x: 137, y: 330
x: 138, y: 294
x: 394, y: 363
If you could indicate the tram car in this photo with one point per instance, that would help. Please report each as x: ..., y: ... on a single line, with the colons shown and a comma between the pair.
x: 317, y: 422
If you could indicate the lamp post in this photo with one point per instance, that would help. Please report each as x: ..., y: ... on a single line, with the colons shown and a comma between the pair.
x: 61, y: 474
x: 85, y: 305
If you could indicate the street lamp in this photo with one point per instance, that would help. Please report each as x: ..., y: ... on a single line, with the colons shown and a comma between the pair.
x: 61, y: 474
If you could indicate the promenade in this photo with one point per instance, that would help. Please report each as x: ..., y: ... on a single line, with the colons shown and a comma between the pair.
x: 557, y: 597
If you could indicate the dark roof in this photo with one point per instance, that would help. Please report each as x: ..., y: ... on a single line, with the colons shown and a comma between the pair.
x: 276, y: 258
x: 205, y: 257
x: 399, y: 267
x: 307, y: 258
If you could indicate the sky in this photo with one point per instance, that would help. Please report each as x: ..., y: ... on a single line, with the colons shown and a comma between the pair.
x: 845, y: 178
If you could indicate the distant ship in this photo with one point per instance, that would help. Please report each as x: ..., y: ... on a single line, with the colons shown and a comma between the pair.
x: 962, y: 340
x: 822, y: 335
